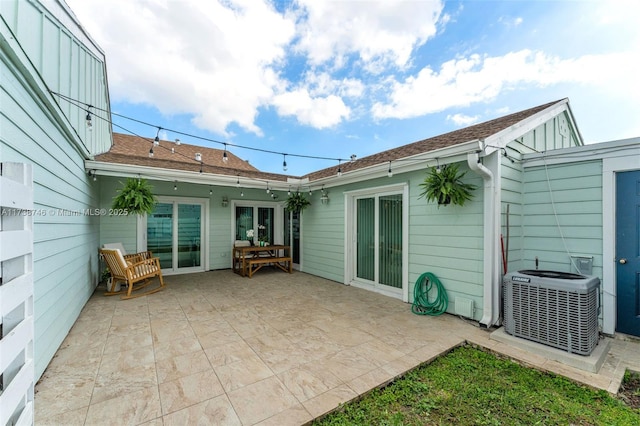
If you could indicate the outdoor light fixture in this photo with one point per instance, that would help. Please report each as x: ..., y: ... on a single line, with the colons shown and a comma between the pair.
x: 438, y: 166
x: 151, y: 152
x: 175, y: 186
x: 156, y: 141
x: 238, y: 182
x: 339, y: 168
x: 284, y: 162
x: 289, y: 191
x: 268, y: 189
x: 324, y: 198
x: 390, y: 172
x: 225, y: 159
x: 198, y: 156
x: 210, y: 191
x: 225, y: 201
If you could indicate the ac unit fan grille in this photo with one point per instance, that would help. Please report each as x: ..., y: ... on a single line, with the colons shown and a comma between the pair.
x: 559, y: 318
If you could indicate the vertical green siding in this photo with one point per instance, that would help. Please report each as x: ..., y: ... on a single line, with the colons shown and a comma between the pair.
x: 65, y: 259
x: 67, y: 60
x: 559, y: 201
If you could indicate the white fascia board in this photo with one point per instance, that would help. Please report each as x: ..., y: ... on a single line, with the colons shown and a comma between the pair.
x: 452, y: 154
x: 629, y: 148
x: 500, y: 139
x: 155, y: 173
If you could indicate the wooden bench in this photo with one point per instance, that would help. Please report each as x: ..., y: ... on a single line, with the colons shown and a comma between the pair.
x: 256, y: 263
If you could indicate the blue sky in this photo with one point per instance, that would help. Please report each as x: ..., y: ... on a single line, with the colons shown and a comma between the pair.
x: 335, y: 78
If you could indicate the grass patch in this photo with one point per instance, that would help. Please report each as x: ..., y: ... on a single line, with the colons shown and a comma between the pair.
x: 471, y: 387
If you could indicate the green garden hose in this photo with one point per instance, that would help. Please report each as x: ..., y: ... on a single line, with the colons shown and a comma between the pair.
x: 428, y: 283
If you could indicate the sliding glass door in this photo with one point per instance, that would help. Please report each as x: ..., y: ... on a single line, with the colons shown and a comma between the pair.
x: 175, y: 231
x: 378, y: 228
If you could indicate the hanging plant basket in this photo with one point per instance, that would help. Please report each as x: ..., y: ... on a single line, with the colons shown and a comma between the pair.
x: 296, y: 203
x: 135, y: 197
x: 445, y: 186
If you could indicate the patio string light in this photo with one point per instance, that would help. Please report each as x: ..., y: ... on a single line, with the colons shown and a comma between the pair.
x: 156, y: 141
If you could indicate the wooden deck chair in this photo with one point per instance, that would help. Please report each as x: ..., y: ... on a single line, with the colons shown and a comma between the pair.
x: 135, y: 274
x: 135, y: 257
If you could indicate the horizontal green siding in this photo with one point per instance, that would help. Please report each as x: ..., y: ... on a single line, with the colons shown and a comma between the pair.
x: 65, y: 247
x: 562, y: 215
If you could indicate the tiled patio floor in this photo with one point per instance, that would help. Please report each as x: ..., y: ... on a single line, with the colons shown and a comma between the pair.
x: 277, y: 349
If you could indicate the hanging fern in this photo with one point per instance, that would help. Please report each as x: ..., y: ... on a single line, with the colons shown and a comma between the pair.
x: 296, y: 203
x: 445, y: 186
x: 135, y: 196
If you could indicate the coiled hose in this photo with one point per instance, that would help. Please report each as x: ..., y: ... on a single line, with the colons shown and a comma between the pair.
x: 421, y: 304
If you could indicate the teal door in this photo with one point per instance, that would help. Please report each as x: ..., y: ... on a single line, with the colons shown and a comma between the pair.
x: 628, y: 252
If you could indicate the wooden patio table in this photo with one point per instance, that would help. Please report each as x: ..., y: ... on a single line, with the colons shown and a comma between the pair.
x: 249, y: 259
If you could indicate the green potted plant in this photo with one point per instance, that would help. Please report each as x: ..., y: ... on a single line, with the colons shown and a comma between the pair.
x: 445, y: 186
x: 135, y: 197
x: 296, y: 203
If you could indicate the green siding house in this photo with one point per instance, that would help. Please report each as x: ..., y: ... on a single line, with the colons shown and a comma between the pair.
x: 367, y: 225
x: 542, y: 197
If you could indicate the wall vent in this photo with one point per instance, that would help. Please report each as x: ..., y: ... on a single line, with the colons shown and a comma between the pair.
x: 557, y: 309
x: 463, y: 307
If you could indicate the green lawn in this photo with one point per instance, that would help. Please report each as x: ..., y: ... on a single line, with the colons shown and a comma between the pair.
x: 471, y: 387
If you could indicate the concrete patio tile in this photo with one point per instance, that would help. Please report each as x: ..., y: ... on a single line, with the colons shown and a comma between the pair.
x: 129, y: 408
x: 69, y: 418
x: 211, y: 347
x: 189, y: 390
x: 179, y: 346
x: 370, y: 380
x: 215, y: 411
x: 242, y: 373
x: 309, y: 380
x: 182, y: 365
x: 116, y: 383
x: 261, y: 400
x: 297, y: 415
x: 329, y: 401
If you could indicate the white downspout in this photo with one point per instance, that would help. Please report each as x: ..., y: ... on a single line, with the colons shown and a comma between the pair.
x: 491, y: 302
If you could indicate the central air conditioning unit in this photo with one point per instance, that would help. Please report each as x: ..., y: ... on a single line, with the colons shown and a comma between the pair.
x: 557, y: 309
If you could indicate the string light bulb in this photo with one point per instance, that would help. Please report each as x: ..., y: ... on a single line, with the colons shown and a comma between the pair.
x: 289, y: 191
x: 88, y: 120
x: 175, y: 186
x: 151, y: 152
x: 268, y: 189
x: 284, y: 162
x: 225, y: 159
x: 438, y: 170
x: 242, y: 193
x: 339, y: 168
x: 156, y: 141
x: 238, y: 182
x: 210, y: 191
x: 389, y: 172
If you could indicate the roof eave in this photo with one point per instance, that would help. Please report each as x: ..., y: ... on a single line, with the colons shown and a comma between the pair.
x: 440, y: 156
x: 101, y: 168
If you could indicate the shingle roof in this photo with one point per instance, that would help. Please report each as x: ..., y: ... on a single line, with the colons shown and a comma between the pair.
x: 134, y: 150
x: 477, y: 131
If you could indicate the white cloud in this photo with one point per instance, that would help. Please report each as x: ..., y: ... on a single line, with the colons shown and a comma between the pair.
x: 462, y: 119
x: 216, y: 60
x: 319, y: 112
x: 378, y: 32
x: 465, y: 81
